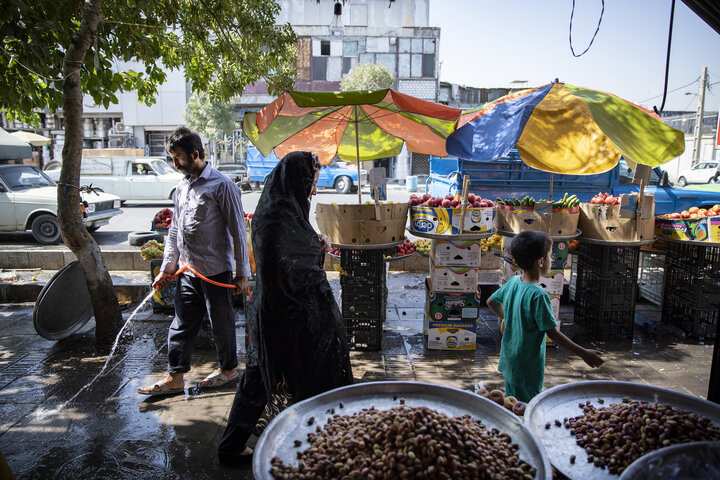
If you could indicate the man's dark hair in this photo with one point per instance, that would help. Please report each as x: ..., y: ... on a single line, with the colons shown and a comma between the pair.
x: 528, y: 247
x: 186, y: 140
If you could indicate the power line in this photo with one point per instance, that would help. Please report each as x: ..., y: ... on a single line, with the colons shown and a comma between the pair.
x: 671, y: 91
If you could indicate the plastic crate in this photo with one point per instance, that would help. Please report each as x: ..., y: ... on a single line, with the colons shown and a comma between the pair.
x: 605, y: 324
x: 606, y: 290
x: 697, y: 259
x: 700, y: 323
x: 608, y: 261
x: 697, y: 290
x: 651, y: 276
x: 366, y: 267
x: 364, y: 333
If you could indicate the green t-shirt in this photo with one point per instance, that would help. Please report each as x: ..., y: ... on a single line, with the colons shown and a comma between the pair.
x: 528, y: 315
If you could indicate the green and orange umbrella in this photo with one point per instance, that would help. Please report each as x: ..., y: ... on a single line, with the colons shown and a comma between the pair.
x: 561, y: 128
x: 356, y: 126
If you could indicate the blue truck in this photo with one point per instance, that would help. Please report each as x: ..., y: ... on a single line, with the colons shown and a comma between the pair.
x: 334, y: 175
x: 509, y: 176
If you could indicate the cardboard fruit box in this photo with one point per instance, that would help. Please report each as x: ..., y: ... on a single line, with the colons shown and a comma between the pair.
x: 543, y: 217
x: 619, y: 223
x: 446, y: 221
x: 450, y: 321
x: 453, y: 279
x: 365, y: 224
x: 706, y: 229
x: 455, y: 254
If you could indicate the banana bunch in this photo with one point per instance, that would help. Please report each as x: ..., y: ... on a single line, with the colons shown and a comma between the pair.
x: 487, y: 244
x: 567, y: 202
x: 528, y: 201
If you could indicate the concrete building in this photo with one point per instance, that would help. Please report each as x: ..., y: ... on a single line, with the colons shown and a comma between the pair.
x: 461, y: 96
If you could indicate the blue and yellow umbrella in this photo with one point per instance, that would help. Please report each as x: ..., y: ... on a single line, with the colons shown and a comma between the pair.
x: 561, y: 128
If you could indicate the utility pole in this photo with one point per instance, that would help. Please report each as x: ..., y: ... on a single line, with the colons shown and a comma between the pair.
x: 699, y: 118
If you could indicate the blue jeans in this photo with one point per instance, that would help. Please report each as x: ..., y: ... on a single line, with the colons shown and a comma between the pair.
x: 194, y: 298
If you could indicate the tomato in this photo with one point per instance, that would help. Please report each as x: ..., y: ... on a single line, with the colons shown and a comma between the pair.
x: 694, y: 215
x: 674, y: 215
x: 685, y: 214
x: 693, y: 209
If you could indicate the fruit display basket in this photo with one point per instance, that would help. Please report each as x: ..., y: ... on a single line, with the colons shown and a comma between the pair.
x: 562, y: 401
x: 292, y: 424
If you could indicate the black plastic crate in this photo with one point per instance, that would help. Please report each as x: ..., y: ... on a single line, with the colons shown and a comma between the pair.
x: 696, y: 289
x: 615, y: 292
x: 697, y: 259
x: 363, y: 332
x: 700, y: 323
x: 364, y: 266
x: 608, y: 261
x: 603, y: 324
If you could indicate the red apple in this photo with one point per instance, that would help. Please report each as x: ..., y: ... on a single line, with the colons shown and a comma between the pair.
x: 471, y: 197
x: 446, y: 203
x: 455, y: 203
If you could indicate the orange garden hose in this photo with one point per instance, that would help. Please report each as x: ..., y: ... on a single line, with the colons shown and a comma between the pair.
x: 188, y: 267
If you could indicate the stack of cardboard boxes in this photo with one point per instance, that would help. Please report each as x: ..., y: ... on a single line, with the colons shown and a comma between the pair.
x: 452, y: 301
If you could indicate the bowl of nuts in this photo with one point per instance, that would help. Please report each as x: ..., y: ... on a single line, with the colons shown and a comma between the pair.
x: 685, y: 461
x: 399, y: 430
x: 597, y: 429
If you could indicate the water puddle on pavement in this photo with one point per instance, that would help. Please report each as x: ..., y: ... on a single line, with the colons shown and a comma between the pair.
x: 43, y: 412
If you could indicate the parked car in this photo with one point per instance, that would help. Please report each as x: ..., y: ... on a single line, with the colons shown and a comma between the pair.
x: 510, y: 176
x: 335, y: 175
x: 703, y: 172
x: 130, y: 178
x: 28, y: 201
x: 236, y: 171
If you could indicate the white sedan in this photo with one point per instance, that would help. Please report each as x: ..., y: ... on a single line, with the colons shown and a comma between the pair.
x: 703, y: 172
x: 28, y: 201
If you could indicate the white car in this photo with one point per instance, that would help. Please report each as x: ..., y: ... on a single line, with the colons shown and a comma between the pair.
x: 28, y: 201
x: 703, y: 172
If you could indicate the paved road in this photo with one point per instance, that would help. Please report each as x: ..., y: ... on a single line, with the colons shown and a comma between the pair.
x: 138, y: 215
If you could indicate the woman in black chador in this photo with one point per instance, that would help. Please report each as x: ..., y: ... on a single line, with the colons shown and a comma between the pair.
x: 297, y: 345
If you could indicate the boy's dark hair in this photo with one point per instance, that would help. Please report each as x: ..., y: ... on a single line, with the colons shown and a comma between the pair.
x: 528, y: 247
x: 186, y: 140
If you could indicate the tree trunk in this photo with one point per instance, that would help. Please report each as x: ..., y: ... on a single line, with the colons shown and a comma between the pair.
x: 108, y: 318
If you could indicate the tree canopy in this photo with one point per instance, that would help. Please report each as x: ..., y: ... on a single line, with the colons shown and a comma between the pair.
x: 210, y: 117
x: 221, y: 45
x: 367, y: 76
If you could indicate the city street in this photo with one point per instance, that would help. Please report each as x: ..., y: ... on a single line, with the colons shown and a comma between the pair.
x: 137, y: 216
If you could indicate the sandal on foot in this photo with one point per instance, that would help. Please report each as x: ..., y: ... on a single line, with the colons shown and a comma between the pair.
x: 159, y: 388
x: 217, y: 379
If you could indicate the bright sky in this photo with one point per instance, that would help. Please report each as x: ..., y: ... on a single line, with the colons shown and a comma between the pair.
x: 490, y: 43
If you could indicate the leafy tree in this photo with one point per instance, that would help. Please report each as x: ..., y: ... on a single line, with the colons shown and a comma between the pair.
x: 367, y: 76
x: 212, y: 118
x: 54, y: 51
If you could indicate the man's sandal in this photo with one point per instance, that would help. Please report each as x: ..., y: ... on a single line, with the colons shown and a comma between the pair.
x: 217, y: 379
x: 158, y: 389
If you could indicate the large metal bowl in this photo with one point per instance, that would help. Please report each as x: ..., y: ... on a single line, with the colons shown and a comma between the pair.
x: 562, y: 401
x: 686, y: 461
x: 291, y: 424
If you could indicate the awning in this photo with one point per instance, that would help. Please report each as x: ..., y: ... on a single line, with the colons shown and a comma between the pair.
x: 12, y: 148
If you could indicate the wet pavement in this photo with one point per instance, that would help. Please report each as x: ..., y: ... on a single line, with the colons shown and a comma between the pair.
x: 109, y: 431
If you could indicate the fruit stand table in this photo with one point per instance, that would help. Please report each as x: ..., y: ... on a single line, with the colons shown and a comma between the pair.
x: 364, y: 292
x: 605, y: 287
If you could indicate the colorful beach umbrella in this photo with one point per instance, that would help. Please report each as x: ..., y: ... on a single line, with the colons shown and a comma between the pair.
x: 356, y: 126
x: 561, y: 128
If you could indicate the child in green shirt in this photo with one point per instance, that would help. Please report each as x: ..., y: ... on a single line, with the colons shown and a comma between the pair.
x: 525, y: 308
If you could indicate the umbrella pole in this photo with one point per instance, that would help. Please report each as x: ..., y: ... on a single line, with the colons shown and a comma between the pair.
x: 551, y: 185
x: 357, y: 156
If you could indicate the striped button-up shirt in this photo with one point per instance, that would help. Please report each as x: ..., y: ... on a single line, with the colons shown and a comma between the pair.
x: 208, y: 222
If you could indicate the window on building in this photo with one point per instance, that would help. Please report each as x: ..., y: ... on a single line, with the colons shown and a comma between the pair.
x: 350, y: 48
x: 319, y: 68
x: 347, y: 65
x: 325, y: 47
x: 403, y: 45
x: 428, y: 65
